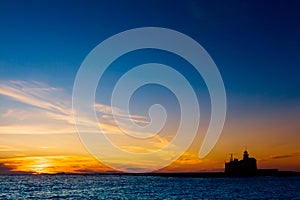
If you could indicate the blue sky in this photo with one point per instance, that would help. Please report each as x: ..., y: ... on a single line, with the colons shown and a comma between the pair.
x: 254, y: 44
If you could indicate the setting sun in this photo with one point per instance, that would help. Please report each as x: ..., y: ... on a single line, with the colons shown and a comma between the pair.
x: 40, y: 165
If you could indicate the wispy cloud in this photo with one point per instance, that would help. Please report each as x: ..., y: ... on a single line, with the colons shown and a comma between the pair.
x: 41, y: 110
x: 106, y: 113
x: 275, y: 157
x: 36, y: 94
x: 50, y: 107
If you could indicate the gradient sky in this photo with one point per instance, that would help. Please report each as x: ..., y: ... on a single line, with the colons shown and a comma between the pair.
x: 255, y: 45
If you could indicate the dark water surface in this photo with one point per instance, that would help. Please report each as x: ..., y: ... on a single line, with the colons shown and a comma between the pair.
x: 146, y: 187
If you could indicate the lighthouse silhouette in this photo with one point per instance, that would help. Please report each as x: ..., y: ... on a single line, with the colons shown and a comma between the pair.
x: 245, y: 167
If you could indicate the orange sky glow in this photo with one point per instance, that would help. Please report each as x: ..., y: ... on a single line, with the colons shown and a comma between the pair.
x: 38, y: 135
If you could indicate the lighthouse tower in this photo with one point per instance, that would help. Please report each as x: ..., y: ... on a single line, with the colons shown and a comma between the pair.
x: 246, y: 155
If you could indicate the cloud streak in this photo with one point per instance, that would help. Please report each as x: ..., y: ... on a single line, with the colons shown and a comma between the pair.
x: 35, y: 94
x: 50, y: 107
x: 276, y: 157
x: 40, y: 109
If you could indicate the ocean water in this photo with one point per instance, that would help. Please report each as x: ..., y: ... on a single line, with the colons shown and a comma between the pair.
x: 146, y: 187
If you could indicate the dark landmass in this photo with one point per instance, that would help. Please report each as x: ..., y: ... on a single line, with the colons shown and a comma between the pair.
x: 214, y: 174
x: 261, y: 172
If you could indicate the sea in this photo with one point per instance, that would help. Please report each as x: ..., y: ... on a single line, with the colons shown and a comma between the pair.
x: 146, y: 187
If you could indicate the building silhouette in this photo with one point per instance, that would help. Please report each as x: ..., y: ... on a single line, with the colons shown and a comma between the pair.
x: 245, y: 167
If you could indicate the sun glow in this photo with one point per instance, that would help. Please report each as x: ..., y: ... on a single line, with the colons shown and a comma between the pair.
x: 41, y: 166
x: 35, y: 165
x: 54, y: 164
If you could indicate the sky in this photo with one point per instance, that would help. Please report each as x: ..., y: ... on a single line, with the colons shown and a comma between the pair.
x: 255, y: 45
